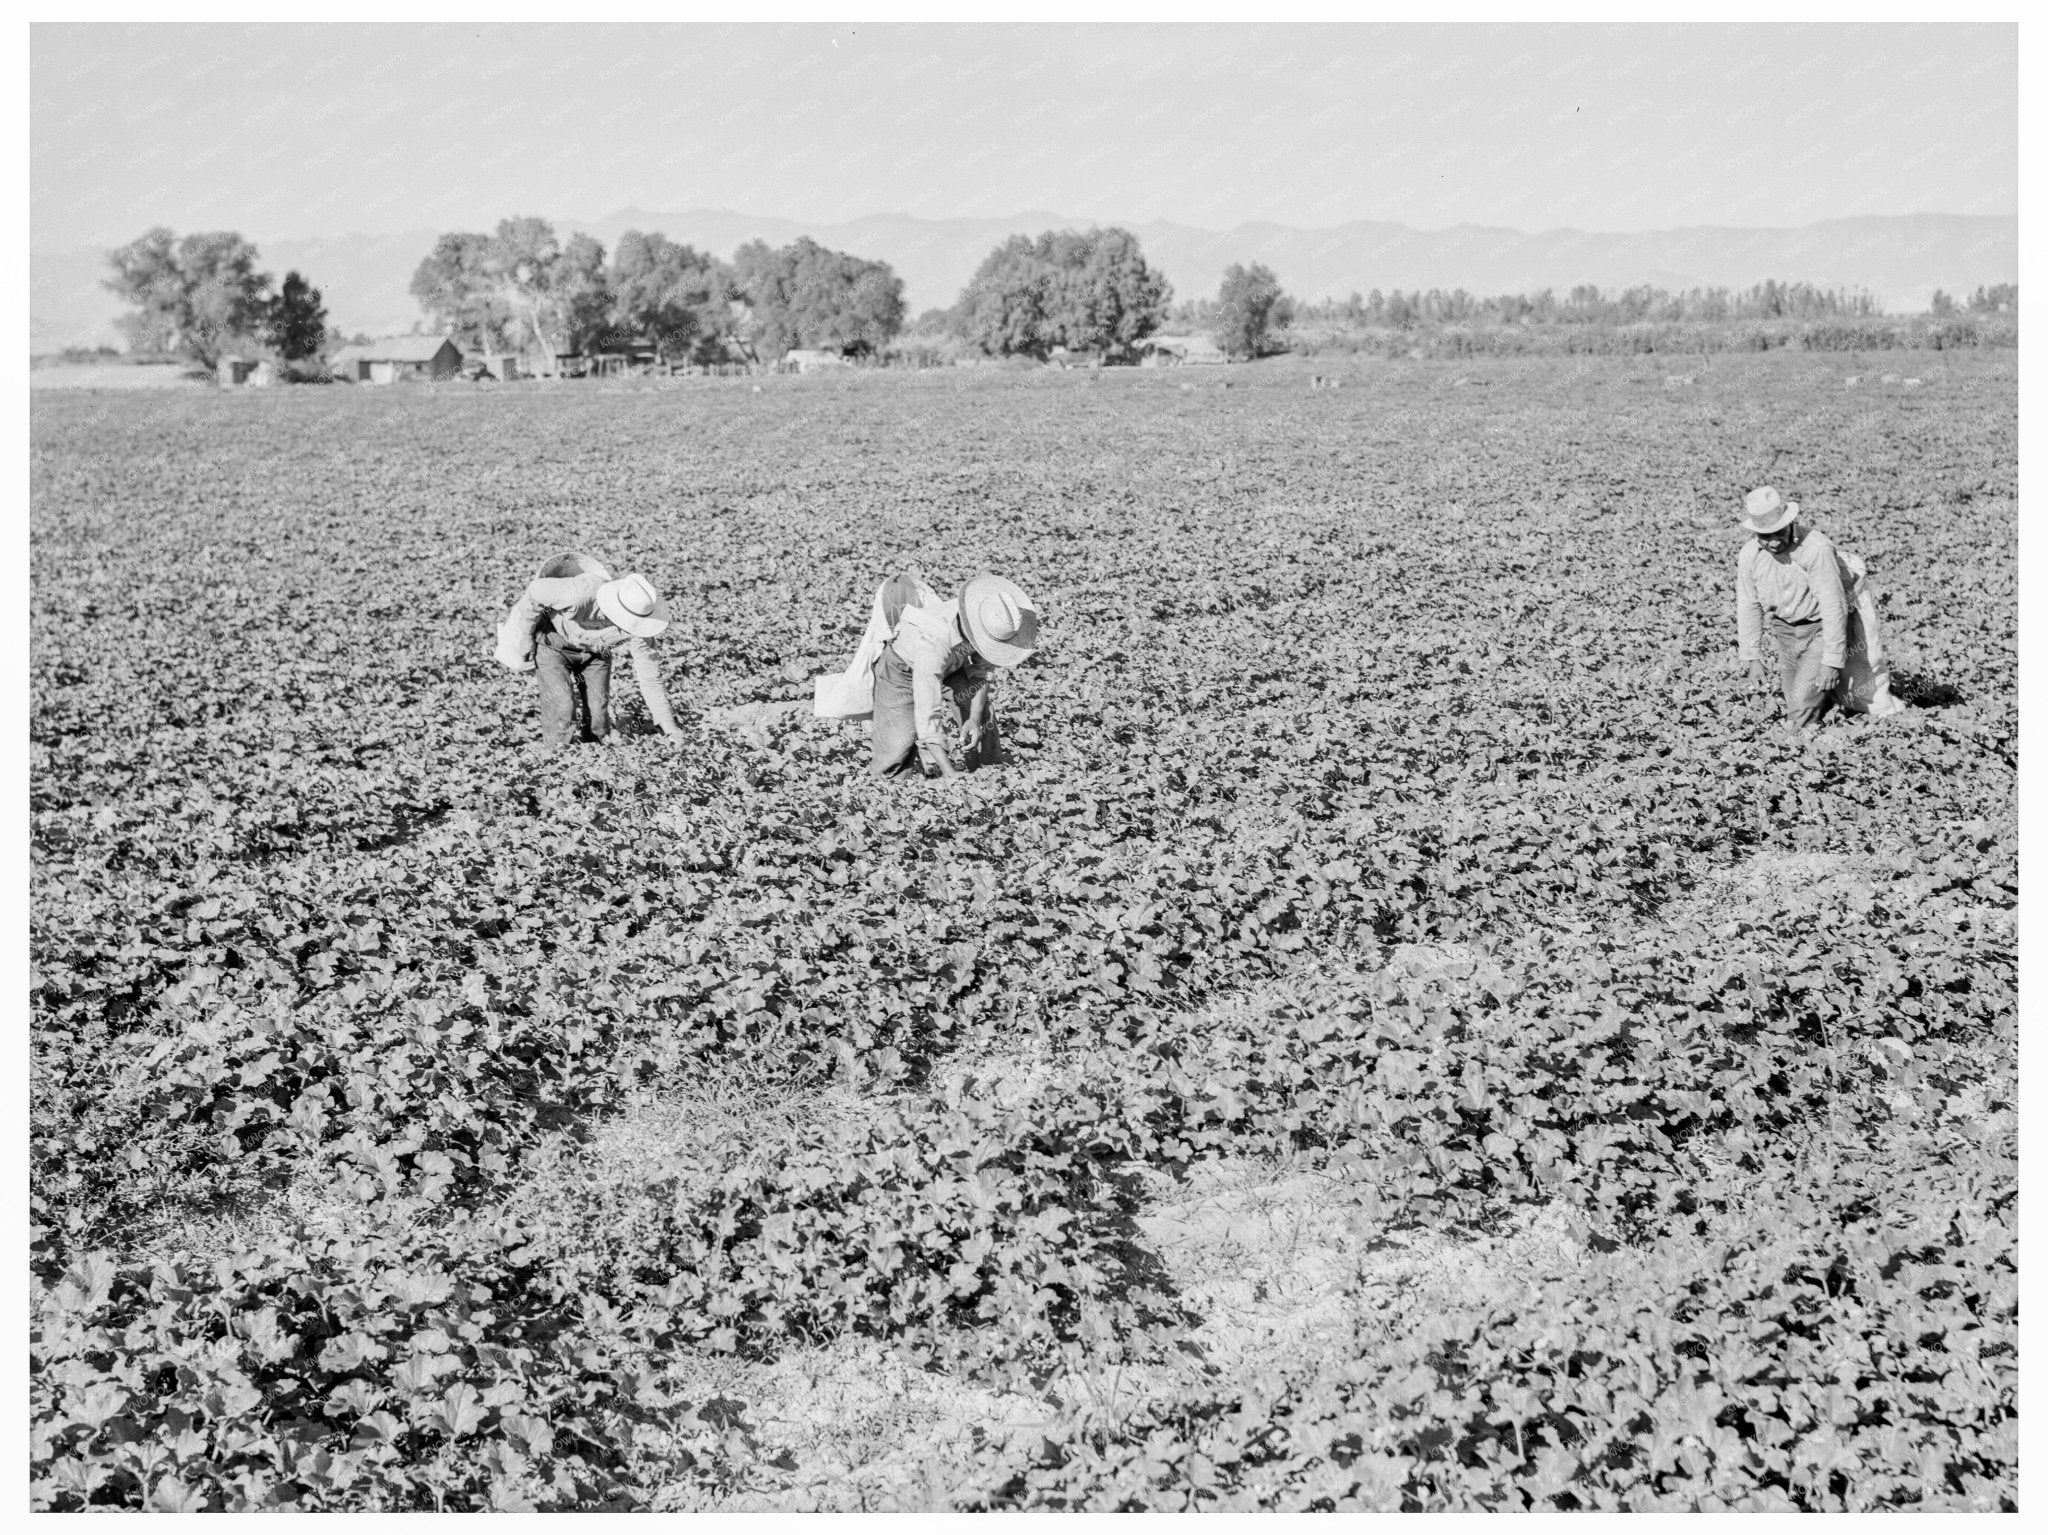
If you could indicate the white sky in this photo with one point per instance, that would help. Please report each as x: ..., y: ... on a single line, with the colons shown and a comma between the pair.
x: 301, y: 130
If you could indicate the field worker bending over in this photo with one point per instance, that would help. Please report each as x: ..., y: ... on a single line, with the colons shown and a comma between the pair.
x: 934, y: 681
x: 1822, y: 613
x: 925, y: 670
x: 567, y: 626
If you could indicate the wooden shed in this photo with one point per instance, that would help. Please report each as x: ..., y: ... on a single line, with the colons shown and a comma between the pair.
x: 398, y: 357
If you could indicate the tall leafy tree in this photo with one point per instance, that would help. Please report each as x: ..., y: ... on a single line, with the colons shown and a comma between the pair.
x: 579, y: 294
x: 458, y: 292
x: 520, y: 264
x: 1115, y: 299
x: 1251, y: 311
x: 1092, y: 292
x: 520, y: 285
x: 762, y: 276
x: 681, y: 298
x: 804, y: 295
x: 146, y: 275
x: 297, y: 322
x: 198, y: 295
x: 1005, y: 306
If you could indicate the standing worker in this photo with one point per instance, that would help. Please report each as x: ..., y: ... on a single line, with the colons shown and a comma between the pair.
x: 569, y: 623
x: 1822, y: 614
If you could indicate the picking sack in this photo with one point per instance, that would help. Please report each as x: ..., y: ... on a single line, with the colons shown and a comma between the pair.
x: 514, y: 648
x: 850, y: 694
x: 1866, y: 686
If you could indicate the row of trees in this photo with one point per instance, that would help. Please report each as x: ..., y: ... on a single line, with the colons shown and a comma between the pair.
x: 1079, y: 292
x: 522, y: 288
x: 1999, y: 298
x: 1589, y: 305
x: 202, y: 296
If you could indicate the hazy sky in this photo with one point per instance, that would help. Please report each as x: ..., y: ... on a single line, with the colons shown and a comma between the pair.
x: 301, y: 130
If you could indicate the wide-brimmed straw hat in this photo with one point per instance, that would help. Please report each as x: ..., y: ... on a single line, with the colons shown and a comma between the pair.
x: 1001, y: 622
x: 1765, y: 511
x: 634, y: 605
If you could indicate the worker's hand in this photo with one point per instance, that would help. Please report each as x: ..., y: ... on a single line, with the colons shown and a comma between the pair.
x: 969, y: 735
x: 1757, y: 677
x: 1828, y: 679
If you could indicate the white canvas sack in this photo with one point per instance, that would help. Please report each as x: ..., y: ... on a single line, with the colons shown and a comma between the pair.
x: 1867, y: 674
x: 514, y: 648
x: 850, y: 694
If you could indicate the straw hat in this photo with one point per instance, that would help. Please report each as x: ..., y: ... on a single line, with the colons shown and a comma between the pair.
x: 634, y: 605
x: 1765, y: 511
x: 1001, y: 622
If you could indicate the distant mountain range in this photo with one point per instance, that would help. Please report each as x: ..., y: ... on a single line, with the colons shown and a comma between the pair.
x: 1901, y: 259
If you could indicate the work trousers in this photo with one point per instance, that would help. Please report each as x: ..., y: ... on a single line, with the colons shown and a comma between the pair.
x: 1799, y: 650
x: 895, y: 729
x: 570, y: 677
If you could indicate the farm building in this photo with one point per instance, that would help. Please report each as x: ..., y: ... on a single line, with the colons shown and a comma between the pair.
x: 634, y: 356
x: 809, y: 360
x: 1178, y: 351
x: 388, y: 361
x: 234, y: 370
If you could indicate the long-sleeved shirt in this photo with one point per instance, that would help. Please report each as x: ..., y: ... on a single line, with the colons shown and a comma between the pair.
x: 569, y: 604
x: 929, y: 642
x: 1798, y: 585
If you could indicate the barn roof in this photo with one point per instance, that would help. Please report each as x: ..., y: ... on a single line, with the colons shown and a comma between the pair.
x: 395, y: 349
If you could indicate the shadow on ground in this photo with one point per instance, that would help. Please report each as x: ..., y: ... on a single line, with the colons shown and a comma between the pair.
x: 1923, y: 692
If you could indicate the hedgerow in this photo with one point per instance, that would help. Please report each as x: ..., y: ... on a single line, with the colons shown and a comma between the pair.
x: 333, y: 978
